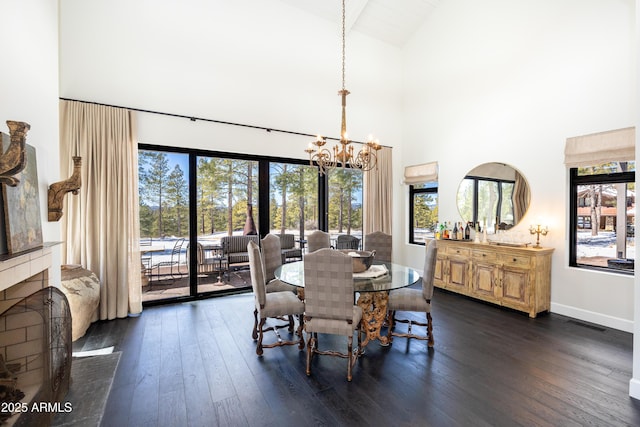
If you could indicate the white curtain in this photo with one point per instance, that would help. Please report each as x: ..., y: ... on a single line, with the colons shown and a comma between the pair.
x: 378, y: 194
x: 602, y: 147
x: 100, y: 226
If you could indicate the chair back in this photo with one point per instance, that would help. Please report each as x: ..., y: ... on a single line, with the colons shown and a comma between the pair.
x: 381, y: 243
x: 318, y: 239
x: 257, y: 273
x: 271, y: 255
x: 429, y: 269
x: 347, y: 241
x: 328, y: 285
x: 177, y: 250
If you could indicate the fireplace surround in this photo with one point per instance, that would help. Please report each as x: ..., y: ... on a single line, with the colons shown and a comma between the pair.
x: 35, y: 340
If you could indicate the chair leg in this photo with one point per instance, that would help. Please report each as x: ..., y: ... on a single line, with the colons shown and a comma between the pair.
x: 299, y: 332
x: 429, y: 330
x: 254, y: 335
x: 311, y: 343
x: 350, y: 356
x: 259, y: 350
x: 291, y: 323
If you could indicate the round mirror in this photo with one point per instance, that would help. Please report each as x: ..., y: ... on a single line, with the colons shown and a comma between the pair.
x: 493, y: 193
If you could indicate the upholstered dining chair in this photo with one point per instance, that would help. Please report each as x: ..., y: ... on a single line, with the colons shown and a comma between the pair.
x: 381, y: 243
x: 272, y: 259
x: 271, y: 305
x: 318, y: 239
x: 329, y: 308
x: 407, y: 299
x: 347, y: 241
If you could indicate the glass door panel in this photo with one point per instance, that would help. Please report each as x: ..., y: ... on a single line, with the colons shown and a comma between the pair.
x: 293, y: 195
x: 226, y: 205
x: 164, y: 223
x: 345, y: 203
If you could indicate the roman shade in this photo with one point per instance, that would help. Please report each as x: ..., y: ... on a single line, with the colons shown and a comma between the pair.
x: 418, y: 174
x: 601, y: 147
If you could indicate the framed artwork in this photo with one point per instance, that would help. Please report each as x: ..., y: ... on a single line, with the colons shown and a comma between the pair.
x: 22, y: 221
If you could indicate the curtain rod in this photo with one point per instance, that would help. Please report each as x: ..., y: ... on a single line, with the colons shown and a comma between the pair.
x: 193, y: 119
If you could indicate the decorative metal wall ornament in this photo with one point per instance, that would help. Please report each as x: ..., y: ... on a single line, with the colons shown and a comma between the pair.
x: 14, y: 160
x: 58, y: 190
x: 343, y: 155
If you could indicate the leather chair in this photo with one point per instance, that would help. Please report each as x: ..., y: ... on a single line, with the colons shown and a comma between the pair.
x: 381, y: 243
x: 407, y: 299
x: 329, y: 308
x: 271, y: 305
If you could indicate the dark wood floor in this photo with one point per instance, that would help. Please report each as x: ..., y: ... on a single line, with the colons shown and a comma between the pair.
x: 194, y: 364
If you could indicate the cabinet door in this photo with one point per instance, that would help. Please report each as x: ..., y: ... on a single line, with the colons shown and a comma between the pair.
x: 515, y: 288
x: 458, y: 277
x: 484, y: 282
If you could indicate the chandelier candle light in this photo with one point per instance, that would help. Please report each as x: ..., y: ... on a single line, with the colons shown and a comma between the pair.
x: 344, y: 155
x: 538, y: 230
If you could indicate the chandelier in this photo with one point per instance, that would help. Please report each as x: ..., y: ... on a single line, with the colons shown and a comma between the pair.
x: 344, y: 154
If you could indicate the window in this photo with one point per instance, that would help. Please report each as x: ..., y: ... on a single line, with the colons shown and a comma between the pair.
x: 602, y: 216
x: 423, y: 211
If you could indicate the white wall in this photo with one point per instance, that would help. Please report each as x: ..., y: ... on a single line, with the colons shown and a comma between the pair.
x: 509, y: 81
x: 254, y: 62
x: 29, y: 92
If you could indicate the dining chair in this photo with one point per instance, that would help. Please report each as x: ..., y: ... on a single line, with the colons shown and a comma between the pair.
x: 329, y: 308
x: 347, y: 241
x: 273, y: 305
x: 407, y: 299
x: 318, y: 239
x: 272, y: 259
x: 381, y: 243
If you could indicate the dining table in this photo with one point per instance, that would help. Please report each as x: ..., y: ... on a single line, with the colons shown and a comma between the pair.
x: 371, y: 291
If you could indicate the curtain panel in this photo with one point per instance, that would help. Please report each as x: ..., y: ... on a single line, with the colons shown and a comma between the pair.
x: 601, y: 147
x: 100, y: 226
x: 378, y: 194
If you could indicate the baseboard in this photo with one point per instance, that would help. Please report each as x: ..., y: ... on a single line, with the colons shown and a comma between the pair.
x: 634, y: 388
x: 593, y: 317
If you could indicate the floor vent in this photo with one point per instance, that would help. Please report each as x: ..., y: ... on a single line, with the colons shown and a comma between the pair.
x: 587, y: 325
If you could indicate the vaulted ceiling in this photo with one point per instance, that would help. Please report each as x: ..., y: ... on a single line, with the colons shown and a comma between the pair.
x: 391, y: 21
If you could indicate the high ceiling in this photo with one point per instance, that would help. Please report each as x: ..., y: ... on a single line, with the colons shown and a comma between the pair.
x: 392, y: 21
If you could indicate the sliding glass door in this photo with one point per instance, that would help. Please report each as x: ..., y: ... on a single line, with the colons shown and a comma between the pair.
x: 194, y: 202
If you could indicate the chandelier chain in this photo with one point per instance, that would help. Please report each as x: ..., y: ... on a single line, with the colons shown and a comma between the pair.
x: 344, y: 154
x: 343, y: 45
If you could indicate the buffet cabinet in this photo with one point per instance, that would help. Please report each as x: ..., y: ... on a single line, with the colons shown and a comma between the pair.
x: 514, y: 277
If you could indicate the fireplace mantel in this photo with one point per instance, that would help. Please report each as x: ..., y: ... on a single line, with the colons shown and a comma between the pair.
x: 17, y: 268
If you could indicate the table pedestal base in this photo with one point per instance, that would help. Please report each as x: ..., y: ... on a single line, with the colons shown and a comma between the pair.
x: 374, y: 312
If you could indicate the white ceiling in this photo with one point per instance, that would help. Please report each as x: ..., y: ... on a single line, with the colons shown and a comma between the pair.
x: 392, y: 21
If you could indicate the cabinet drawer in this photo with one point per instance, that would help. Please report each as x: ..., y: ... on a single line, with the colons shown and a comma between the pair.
x: 485, y: 256
x: 515, y: 260
x: 456, y: 250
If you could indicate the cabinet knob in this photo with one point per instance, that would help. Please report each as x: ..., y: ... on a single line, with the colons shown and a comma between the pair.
x: 515, y: 259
